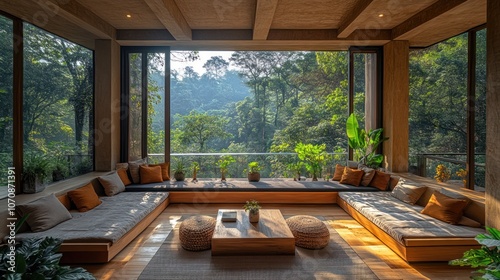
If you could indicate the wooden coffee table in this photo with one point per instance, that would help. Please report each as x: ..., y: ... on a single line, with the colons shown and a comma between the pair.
x: 270, y: 236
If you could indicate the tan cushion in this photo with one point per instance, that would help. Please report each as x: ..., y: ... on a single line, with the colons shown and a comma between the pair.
x: 151, y: 174
x: 464, y: 221
x: 64, y: 199
x: 393, y: 182
x: 44, y: 213
x: 408, y: 192
x: 112, y: 184
x: 84, y: 198
x: 339, y: 170
x: 352, y: 176
x: 445, y: 208
x: 380, y: 180
x: 352, y: 164
x: 368, y: 176
x: 164, y: 170
x: 122, y: 165
x: 123, y: 174
x: 133, y: 168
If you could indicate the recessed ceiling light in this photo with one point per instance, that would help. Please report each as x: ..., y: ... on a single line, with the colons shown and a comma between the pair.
x: 380, y: 15
x: 129, y: 15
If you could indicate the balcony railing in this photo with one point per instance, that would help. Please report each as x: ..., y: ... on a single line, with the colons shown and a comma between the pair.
x: 275, y: 165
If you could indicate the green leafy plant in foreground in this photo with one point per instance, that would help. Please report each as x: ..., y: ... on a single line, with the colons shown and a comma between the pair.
x: 364, y: 144
x: 37, y: 258
x: 487, y: 259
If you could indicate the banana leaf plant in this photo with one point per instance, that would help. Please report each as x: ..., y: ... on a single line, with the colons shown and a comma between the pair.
x: 364, y: 144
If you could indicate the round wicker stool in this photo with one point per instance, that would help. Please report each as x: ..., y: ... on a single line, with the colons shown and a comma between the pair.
x: 309, y: 232
x: 195, y: 233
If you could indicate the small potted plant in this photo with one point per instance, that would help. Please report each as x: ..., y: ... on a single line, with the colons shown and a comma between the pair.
x: 252, y: 207
x: 36, y: 168
x: 59, y: 168
x: 296, y: 168
x: 463, y: 175
x: 223, y: 164
x: 179, y: 171
x: 195, y: 166
x: 442, y: 173
x: 253, y: 171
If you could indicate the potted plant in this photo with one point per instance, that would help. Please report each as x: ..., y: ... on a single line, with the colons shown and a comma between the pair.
x: 364, y: 144
x: 38, y: 258
x: 59, y: 168
x: 223, y: 164
x: 314, y: 156
x: 253, y: 171
x: 252, y: 207
x: 179, y: 171
x: 487, y: 258
x: 195, y: 166
x: 442, y: 173
x: 296, y: 168
x: 36, y: 169
x: 462, y: 173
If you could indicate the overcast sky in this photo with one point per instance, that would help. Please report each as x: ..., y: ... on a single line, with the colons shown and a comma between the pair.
x: 198, y: 64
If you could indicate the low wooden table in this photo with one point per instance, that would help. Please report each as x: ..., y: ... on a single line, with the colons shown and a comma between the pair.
x: 270, y: 236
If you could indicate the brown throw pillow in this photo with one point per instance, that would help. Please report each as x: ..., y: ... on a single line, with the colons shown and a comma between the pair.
x: 44, y: 213
x: 84, y: 198
x: 380, y: 180
x: 368, y: 176
x: 64, y: 199
x: 445, y: 208
x: 352, y: 176
x: 339, y: 170
x: 112, y: 184
x: 151, y: 174
x: 164, y: 170
x: 123, y: 174
x: 464, y: 221
x: 408, y: 192
x: 133, y: 168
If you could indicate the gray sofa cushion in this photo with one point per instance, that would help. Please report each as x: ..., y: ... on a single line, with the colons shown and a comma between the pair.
x: 108, y: 222
x: 401, y: 220
x: 44, y: 213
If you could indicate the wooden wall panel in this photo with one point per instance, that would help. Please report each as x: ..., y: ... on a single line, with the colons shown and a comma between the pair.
x: 493, y: 116
x: 395, y: 108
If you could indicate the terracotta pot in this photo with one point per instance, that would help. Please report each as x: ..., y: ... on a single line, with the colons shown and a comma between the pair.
x: 253, y: 217
x: 253, y: 176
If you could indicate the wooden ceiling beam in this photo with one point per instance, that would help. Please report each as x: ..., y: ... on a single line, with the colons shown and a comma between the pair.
x: 351, y: 21
x: 79, y: 15
x: 264, y: 14
x: 407, y: 29
x: 171, y: 17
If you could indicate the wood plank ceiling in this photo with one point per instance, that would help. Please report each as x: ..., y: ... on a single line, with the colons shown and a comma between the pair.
x: 253, y: 24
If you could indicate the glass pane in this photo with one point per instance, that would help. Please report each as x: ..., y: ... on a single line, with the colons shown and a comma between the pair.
x: 135, y: 106
x: 365, y: 89
x: 156, y: 107
x: 6, y: 121
x: 58, y: 104
x: 438, y: 106
x: 480, y: 109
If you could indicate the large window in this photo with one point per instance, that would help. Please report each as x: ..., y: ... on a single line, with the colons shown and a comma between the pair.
x: 6, y: 99
x: 57, y: 103
x: 440, y: 100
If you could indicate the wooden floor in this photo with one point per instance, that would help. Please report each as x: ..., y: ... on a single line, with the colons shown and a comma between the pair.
x: 382, y: 261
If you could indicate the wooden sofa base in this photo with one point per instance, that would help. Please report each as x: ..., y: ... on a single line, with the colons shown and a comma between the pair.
x: 103, y: 252
x: 418, y: 250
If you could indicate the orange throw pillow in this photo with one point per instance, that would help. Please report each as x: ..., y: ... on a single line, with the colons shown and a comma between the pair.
x: 352, y: 176
x: 445, y: 208
x: 380, y: 180
x: 64, y: 199
x: 123, y: 174
x: 84, y: 198
x: 150, y: 174
x: 339, y: 170
x: 164, y: 170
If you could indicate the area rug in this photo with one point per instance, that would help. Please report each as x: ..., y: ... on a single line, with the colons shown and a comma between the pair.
x: 336, y: 261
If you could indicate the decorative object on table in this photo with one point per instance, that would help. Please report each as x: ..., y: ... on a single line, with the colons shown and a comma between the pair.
x: 487, y: 259
x: 223, y: 164
x: 180, y: 171
x: 313, y: 156
x: 195, y: 166
x: 252, y: 207
x: 309, y: 232
x: 442, y: 173
x: 253, y: 173
x: 36, y: 168
x: 364, y: 144
x: 195, y: 232
x: 228, y: 216
x: 463, y: 175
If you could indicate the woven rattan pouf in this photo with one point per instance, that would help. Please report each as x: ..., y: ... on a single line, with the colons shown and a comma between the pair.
x: 309, y: 232
x: 195, y: 233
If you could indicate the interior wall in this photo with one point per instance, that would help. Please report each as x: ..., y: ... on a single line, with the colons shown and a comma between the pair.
x: 107, y: 104
x: 396, y: 94
x: 493, y: 115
